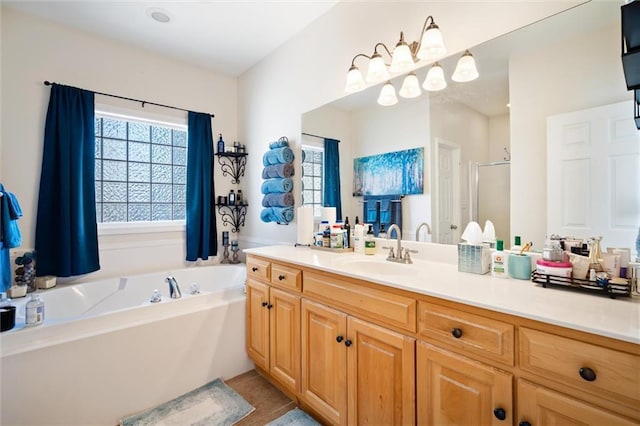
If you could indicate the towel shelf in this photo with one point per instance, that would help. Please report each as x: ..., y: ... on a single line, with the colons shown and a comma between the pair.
x: 232, y: 215
x: 232, y: 164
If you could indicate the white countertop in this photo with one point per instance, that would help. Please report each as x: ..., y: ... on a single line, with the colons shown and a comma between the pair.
x: 616, y: 318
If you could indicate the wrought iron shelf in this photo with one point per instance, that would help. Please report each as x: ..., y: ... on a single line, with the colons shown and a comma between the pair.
x: 233, y: 215
x: 232, y: 164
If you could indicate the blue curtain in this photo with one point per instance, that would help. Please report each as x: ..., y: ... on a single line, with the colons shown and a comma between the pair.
x: 66, y: 228
x: 202, y: 239
x: 331, y: 189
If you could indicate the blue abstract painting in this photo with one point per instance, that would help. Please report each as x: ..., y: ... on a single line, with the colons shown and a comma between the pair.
x: 400, y: 172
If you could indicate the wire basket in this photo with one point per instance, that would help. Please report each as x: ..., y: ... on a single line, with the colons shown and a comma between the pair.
x: 612, y: 290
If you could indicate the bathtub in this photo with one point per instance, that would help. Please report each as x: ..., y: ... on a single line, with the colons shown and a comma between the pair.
x: 105, y: 351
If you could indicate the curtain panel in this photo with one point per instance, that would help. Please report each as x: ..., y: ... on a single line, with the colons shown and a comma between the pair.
x: 331, y: 188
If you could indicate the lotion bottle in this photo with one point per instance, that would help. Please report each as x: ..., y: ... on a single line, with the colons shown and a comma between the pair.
x: 370, y: 242
x: 499, y: 261
x: 358, y: 238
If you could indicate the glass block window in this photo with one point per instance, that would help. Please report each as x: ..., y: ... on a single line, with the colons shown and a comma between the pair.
x: 141, y: 170
x: 312, y: 178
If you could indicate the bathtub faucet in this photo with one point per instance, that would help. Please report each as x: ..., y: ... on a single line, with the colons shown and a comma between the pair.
x: 174, y: 288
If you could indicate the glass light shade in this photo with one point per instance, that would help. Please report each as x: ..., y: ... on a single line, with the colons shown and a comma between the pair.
x: 432, y: 45
x: 355, y: 82
x: 377, y: 69
x: 410, y: 87
x: 387, y: 95
x: 465, y: 69
x: 435, y: 79
x: 401, y: 59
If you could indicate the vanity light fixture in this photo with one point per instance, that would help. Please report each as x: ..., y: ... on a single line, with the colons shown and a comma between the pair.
x: 403, y: 59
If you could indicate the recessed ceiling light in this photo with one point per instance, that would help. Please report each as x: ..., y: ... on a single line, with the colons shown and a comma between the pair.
x: 159, y: 15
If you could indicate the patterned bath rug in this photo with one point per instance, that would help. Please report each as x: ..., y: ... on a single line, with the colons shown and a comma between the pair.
x: 212, y: 404
x: 295, y: 417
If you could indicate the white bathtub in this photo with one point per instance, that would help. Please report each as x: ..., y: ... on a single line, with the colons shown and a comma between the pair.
x: 104, y: 351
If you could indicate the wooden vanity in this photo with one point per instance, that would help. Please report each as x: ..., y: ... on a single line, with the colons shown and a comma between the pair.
x: 354, y: 351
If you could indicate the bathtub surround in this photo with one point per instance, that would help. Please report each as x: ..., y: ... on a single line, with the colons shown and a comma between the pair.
x: 66, y: 228
x: 213, y: 404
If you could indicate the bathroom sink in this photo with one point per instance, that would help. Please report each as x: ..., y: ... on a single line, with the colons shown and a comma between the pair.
x: 376, y: 267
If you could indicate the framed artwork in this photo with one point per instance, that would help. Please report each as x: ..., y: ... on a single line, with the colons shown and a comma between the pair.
x: 399, y: 172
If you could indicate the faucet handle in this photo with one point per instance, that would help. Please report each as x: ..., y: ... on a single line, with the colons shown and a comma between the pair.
x: 407, y: 256
x: 391, y: 254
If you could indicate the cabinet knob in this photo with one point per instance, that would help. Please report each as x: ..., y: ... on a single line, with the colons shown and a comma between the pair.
x: 524, y: 423
x: 347, y: 343
x: 456, y: 332
x: 339, y: 339
x: 588, y: 374
x: 269, y: 306
x: 254, y: 269
x: 500, y: 413
x: 265, y: 303
x: 281, y: 277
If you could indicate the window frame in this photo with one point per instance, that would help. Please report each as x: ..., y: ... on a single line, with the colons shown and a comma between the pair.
x: 314, y: 144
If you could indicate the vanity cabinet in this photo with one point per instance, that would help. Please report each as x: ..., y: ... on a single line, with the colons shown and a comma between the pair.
x: 273, y: 324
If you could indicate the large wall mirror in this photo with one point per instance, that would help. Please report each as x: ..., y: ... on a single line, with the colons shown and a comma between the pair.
x: 478, y: 163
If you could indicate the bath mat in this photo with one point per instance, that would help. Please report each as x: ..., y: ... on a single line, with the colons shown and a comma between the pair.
x: 295, y: 417
x: 212, y: 404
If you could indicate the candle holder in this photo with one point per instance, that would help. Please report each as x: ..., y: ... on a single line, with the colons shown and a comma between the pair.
x: 235, y: 249
x: 225, y: 254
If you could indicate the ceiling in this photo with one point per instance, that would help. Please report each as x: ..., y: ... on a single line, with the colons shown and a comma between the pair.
x: 227, y: 36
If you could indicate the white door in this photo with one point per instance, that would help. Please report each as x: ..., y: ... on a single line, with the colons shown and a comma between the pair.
x: 447, y: 184
x: 593, y: 169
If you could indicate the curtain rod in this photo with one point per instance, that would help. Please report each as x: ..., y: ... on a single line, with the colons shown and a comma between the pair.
x: 319, y: 137
x: 48, y: 83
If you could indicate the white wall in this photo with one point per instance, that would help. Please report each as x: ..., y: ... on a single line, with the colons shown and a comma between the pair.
x: 575, y: 74
x: 310, y: 70
x: 35, y: 50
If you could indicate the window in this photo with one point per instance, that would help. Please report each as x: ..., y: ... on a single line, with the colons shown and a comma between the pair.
x: 312, y: 177
x: 141, y: 170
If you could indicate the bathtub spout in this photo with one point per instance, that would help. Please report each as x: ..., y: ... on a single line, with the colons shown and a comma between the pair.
x: 174, y: 288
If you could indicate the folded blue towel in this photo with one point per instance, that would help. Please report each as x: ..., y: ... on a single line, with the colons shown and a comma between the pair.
x: 277, y: 156
x: 277, y: 185
x: 11, y: 236
x: 278, y: 171
x: 278, y: 200
x: 277, y: 214
x: 280, y: 143
x: 372, y: 211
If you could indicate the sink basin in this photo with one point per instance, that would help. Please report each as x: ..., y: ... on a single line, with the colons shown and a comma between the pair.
x: 377, y: 267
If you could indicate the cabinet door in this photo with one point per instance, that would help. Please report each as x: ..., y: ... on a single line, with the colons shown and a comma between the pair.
x: 284, y: 311
x: 455, y: 390
x: 538, y: 406
x: 324, y: 361
x: 380, y: 375
x: 258, y: 323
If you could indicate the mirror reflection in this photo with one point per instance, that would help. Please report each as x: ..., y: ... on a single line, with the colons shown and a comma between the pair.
x: 476, y: 149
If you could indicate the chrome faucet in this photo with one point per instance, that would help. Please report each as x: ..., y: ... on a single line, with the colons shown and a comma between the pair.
x: 174, y: 288
x: 420, y: 227
x: 397, y: 257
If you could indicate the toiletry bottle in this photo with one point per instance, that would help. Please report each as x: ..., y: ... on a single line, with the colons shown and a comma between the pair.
x: 370, y: 242
x: 326, y: 237
x: 34, y: 311
x: 336, y: 237
x: 499, y: 261
x: 220, y: 145
x: 232, y: 198
x: 239, y: 198
x: 4, y: 300
x: 348, y: 233
x: 382, y: 233
x: 358, y: 238
x: 517, y: 244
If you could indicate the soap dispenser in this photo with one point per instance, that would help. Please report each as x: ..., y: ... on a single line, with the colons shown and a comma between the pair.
x: 220, y: 145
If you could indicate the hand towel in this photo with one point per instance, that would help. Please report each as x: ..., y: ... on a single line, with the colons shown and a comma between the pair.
x: 277, y: 214
x: 371, y: 209
x: 277, y: 185
x: 11, y: 236
x: 277, y: 156
x: 385, y: 210
x: 278, y: 171
x: 280, y: 143
x: 278, y: 200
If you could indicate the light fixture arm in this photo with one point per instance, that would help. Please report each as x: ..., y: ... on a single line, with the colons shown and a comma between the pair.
x: 357, y: 56
x: 375, y: 48
x: 415, y: 46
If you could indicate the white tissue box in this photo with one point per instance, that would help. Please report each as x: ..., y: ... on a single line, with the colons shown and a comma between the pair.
x: 475, y: 259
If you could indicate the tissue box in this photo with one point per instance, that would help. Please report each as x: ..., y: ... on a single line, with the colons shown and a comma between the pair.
x: 475, y: 259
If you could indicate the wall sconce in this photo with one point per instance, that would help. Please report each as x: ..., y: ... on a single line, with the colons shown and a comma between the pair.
x: 403, y: 59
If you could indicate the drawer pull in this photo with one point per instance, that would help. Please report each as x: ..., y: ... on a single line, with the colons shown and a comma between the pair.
x: 254, y: 269
x: 347, y: 343
x: 500, y: 413
x: 524, y: 423
x: 588, y: 374
x: 269, y: 306
x: 265, y: 303
x: 456, y: 332
x: 281, y: 277
x: 339, y: 339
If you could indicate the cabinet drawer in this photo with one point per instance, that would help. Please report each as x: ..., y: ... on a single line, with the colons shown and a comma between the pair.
x: 589, y: 367
x: 472, y: 333
x: 378, y: 305
x: 286, y: 277
x: 258, y: 268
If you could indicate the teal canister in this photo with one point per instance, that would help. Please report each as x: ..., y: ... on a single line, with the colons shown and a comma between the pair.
x: 520, y: 266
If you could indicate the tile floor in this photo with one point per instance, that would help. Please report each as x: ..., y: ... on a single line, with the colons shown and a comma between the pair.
x: 269, y: 402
